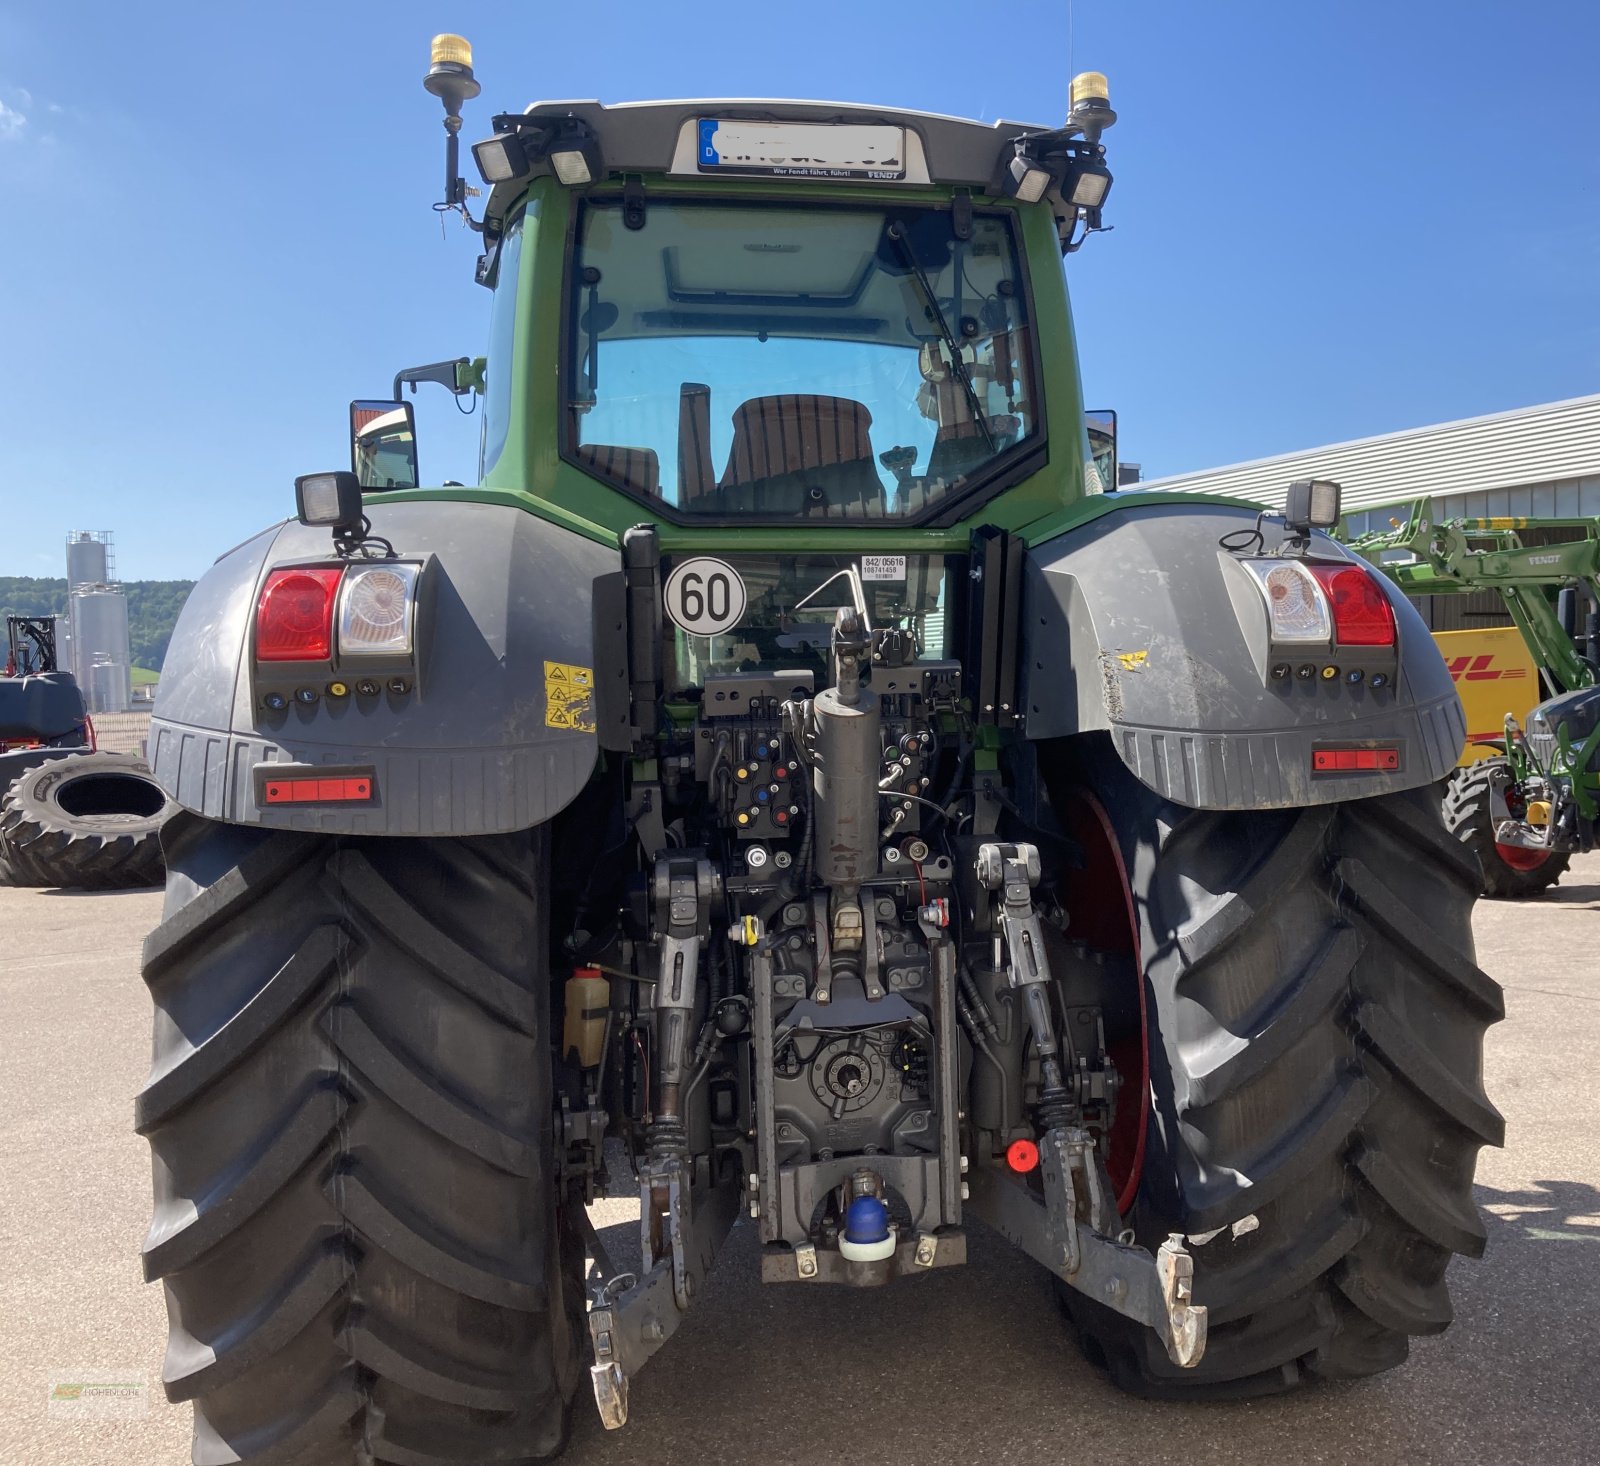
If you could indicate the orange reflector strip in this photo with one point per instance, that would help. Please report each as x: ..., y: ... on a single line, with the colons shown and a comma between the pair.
x: 315, y: 791
x: 1022, y: 1156
x: 1352, y: 760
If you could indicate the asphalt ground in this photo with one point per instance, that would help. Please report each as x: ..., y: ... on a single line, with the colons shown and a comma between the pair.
x: 962, y: 1367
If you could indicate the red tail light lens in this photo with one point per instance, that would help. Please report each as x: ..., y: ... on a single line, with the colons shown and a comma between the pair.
x: 1362, y: 615
x: 294, y: 618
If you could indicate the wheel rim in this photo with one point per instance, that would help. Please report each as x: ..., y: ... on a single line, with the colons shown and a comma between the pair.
x: 1520, y: 857
x: 1099, y: 900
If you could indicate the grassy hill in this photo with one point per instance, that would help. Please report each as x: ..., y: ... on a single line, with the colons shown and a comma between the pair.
x: 153, y: 607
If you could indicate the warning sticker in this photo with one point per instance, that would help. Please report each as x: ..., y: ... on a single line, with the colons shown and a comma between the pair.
x: 883, y: 567
x: 569, y: 697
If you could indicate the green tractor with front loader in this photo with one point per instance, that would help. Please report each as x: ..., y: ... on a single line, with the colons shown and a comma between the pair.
x: 778, y: 792
x: 1534, y: 801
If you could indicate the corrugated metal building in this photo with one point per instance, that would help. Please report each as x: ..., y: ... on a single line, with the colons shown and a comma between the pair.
x: 1539, y: 462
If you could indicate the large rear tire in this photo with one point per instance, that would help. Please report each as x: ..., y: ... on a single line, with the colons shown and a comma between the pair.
x: 356, y: 1212
x: 1509, y: 871
x: 92, y: 822
x: 1316, y: 1027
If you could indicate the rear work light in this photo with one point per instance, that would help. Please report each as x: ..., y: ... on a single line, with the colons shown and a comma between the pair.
x: 294, y: 617
x: 1362, y: 615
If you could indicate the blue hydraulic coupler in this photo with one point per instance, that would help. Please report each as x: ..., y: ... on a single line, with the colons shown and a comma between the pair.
x: 867, y: 1237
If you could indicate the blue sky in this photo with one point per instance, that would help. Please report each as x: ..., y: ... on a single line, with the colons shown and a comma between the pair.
x: 1331, y: 219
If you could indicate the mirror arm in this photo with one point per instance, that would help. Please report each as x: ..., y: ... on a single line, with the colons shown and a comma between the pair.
x: 445, y: 373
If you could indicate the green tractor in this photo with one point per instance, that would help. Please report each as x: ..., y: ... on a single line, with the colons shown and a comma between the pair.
x: 779, y: 793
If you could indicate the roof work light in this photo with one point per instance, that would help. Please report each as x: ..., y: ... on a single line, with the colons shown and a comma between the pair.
x: 1023, y: 179
x: 575, y: 156
x: 568, y: 146
x: 501, y: 158
x: 1088, y: 185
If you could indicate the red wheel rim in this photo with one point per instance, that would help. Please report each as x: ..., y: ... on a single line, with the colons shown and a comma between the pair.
x: 1520, y: 857
x: 1099, y: 900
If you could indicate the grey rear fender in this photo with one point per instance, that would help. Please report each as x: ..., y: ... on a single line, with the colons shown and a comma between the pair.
x: 1140, y: 624
x: 482, y: 741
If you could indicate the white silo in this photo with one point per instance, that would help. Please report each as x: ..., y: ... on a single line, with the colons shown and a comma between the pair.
x: 98, y: 652
x: 88, y: 558
x: 100, y: 648
x: 109, y: 689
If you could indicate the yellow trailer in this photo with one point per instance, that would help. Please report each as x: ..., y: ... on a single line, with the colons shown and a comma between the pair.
x: 1495, y: 674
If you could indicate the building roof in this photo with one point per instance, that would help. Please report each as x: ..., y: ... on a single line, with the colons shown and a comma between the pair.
x: 1550, y: 443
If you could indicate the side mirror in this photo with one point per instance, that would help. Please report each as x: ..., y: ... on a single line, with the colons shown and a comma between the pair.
x: 1101, y: 426
x: 383, y: 445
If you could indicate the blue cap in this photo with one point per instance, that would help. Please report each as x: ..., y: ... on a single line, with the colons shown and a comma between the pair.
x: 867, y: 1220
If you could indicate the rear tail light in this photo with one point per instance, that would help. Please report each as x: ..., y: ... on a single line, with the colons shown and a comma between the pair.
x: 1362, y: 615
x: 294, y: 617
x: 1296, y: 605
x: 377, y: 609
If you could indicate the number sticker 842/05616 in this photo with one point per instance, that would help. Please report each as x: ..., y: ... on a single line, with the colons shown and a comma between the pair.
x: 704, y: 596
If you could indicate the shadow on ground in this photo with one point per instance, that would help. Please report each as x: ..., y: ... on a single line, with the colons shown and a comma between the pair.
x: 73, y: 893
x: 1562, y: 895
x: 974, y: 1365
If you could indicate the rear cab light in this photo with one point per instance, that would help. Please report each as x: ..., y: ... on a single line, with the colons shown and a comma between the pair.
x: 294, y: 617
x: 1362, y: 615
x: 1328, y: 623
x: 377, y: 610
x: 341, y: 635
x: 1297, y: 609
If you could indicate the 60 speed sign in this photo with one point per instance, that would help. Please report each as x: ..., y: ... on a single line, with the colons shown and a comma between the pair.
x: 705, y: 596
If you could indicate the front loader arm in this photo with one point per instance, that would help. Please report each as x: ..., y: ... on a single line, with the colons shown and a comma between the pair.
x: 1450, y: 558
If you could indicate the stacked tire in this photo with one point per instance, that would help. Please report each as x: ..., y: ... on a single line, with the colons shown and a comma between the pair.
x: 90, y: 821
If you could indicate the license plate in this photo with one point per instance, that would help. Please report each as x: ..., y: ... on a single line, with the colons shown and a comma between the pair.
x: 871, y: 151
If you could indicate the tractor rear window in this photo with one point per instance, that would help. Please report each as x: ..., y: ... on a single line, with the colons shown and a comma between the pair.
x: 783, y: 361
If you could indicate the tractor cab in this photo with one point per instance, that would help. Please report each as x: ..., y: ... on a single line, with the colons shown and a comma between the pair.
x: 779, y: 316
